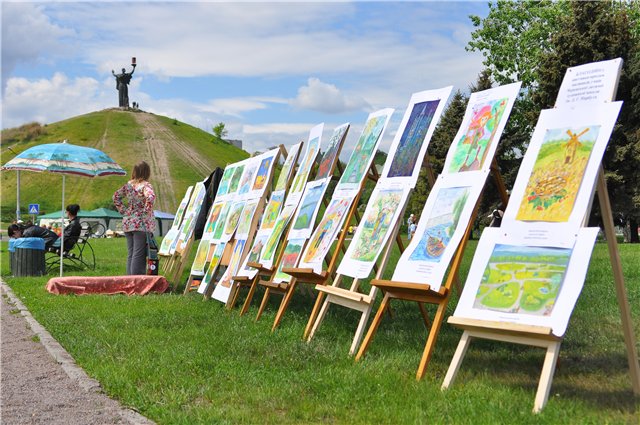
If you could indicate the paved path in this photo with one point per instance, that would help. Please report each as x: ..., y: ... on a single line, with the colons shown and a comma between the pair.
x: 40, y: 382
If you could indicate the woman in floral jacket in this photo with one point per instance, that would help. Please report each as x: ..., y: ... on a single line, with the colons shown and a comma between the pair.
x: 138, y: 216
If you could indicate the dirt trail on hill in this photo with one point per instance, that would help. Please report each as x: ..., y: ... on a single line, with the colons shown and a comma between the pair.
x: 160, y: 142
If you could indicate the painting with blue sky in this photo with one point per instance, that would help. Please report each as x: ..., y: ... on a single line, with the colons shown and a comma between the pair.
x: 269, y: 70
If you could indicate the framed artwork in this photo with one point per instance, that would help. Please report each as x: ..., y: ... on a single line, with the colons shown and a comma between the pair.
x: 325, y: 168
x: 364, y: 151
x: 513, y: 281
x: 374, y: 230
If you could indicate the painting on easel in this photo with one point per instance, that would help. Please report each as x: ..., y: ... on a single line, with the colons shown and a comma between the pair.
x: 306, y: 214
x: 557, y: 174
x: 263, y: 173
x: 289, y: 259
x: 328, y: 158
x: 235, y: 179
x: 365, y: 149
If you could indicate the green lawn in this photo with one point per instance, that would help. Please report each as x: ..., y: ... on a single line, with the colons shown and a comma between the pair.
x: 180, y: 360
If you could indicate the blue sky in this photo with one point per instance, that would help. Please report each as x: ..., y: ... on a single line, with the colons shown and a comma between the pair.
x: 269, y: 70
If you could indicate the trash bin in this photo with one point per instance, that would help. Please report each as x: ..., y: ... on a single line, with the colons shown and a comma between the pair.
x: 26, y: 257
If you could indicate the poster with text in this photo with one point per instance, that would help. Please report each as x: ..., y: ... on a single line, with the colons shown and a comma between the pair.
x: 513, y: 282
x: 375, y: 229
x: 592, y: 82
x: 410, y: 143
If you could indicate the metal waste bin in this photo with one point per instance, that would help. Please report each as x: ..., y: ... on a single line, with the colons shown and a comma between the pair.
x: 26, y: 257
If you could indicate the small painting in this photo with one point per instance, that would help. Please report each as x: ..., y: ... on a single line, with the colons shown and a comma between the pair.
x: 222, y: 221
x: 413, y: 136
x: 303, y: 172
x: 441, y: 224
x: 248, y: 177
x: 263, y: 173
x: 278, y: 229
x: 233, y: 217
x: 329, y: 157
x: 285, y: 172
x: 213, y: 265
x: 212, y: 220
x: 471, y: 150
x: 289, y: 259
x: 557, y: 174
x: 244, y: 224
x: 235, y: 179
x: 525, y: 280
x: 308, y: 207
x: 234, y: 262
x: 376, y: 224
x: 326, y: 231
x: 200, y: 259
x: 364, y: 151
x: 273, y: 209
x: 223, y: 187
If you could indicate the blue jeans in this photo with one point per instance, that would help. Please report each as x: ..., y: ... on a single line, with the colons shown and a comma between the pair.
x: 136, y: 252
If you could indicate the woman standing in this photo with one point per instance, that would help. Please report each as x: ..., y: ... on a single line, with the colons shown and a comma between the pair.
x: 138, y: 216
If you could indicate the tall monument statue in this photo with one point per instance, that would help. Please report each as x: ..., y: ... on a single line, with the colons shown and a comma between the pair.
x: 122, y: 84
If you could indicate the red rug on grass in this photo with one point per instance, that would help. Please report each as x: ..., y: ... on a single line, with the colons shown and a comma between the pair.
x: 130, y: 285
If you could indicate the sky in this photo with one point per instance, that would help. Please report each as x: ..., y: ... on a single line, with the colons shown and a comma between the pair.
x: 269, y: 70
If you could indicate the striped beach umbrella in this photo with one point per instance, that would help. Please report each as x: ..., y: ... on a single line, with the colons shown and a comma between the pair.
x: 65, y: 158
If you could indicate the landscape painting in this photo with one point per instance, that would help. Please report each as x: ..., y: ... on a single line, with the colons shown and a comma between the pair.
x: 278, y: 229
x: 305, y: 168
x: 364, y: 151
x: 223, y: 187
x: 289, y: 163
x: 329, y: 157
x: 273, y: 209
x: 263, y: 173
x: 522, y: 280
x: 246, y: 217
x: 308, y: 207
x: 235, y: 179
x: 248, y: 176
x: 441, y: 224
x: 378, y: 220
x: 415, y: 131
x: 289, y: 259
x: 557, y: 174
x: 222, y: 221
x: 471, y: 149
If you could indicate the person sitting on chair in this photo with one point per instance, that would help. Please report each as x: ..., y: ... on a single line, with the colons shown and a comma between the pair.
x: 72, y: 229
x: 32, y: 231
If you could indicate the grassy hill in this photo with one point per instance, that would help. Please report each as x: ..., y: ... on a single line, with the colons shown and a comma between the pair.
x: 179, y: 155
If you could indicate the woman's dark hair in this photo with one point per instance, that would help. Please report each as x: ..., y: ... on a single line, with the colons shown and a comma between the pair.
x: 141, y: 171
x: 13, y: 228
x: 73, y: 209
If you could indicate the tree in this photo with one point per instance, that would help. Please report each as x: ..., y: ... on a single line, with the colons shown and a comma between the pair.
x: 596, y: 31
x: 220, y: 131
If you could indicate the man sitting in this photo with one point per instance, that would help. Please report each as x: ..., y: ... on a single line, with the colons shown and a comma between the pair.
x: 33, y: 231
x: 72, y: 229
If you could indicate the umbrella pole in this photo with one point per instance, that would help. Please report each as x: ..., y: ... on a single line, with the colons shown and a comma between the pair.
x: 18, y: 195
x: 62, y: 224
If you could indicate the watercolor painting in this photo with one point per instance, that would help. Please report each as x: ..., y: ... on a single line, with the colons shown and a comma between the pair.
x: 183, y: 205
x: 289, y: 259
x: 234, y: 262
x: 557, y: 174
x: 263, y: 173
x: 303, y: 172
x: 233, y: 217
x: 524, y: 280
x: 212, y: 220
x: 326, y: 231
x: 364, y: 151
x: 200, y: 259
x: 273, y: 209
x: 329, y: 157
x: 406, y: 155
x: 247, y: 177
x: 235, y: 179
x: 278, y: 229
x: 471, y: 150
x: 213, y: 265
x: 376, y: 224
x: 285, y: 172
x: 222, y: 221
x: 246, y: 217
x: 223, y: 187
x: 441, y: 224
x: 256, y: 249
x: 308, y: 207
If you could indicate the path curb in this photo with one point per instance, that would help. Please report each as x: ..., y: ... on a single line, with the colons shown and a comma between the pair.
x: 62, y: 357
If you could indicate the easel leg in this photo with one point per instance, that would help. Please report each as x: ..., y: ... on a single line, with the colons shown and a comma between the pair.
x: 263, y: 304
x: 549, y: 367
x: 360, y: 330
x: 314, y: 313
x: 373, y: 327
x: 284, y: 304
x: 319, y: 319
x: 425, y: 316
x: 247, y: 301
x: 458, y: 356
x: 433, y: 335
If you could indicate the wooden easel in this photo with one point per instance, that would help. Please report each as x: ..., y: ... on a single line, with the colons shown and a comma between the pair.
x: 422, y: 293
x: 541, y: 336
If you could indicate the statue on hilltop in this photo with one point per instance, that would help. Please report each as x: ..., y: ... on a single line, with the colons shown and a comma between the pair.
x: 122, y: 83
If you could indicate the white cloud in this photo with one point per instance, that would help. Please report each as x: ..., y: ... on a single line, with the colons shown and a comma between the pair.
x: 324, y: 97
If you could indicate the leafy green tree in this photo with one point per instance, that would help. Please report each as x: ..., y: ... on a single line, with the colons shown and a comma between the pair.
x: 596, y: 31
x: 220, y: 131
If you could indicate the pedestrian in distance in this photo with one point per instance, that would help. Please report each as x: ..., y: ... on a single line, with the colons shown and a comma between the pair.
x: 134, y: 200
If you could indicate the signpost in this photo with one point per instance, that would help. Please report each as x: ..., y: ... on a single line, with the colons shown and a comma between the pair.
x: 34, y: 210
